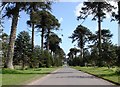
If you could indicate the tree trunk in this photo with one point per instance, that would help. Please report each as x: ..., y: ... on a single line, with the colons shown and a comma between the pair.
x: 82, y: 56
x: 99, y: 26
x: 81, y: 46
x: 32, y: 37
x: 42, y: 37
x: 23, y: 64
x: 99, y: 31
x: 48, y: 39
x: 82, y: 53
x: 33, y: 28
x: 9, y: 59
x: 75, y: 54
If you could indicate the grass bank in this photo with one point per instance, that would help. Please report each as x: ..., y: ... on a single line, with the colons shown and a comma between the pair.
x: 103, y: 72
x: 21, y: 77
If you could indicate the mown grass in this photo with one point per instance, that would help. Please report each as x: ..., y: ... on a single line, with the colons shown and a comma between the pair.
x: 22, y: 77
x: 103, y: 72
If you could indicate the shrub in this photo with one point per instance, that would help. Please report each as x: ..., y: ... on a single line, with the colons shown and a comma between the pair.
x: 117, y: 71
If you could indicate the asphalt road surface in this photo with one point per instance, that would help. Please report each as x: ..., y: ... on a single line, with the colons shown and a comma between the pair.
x: 69, y: 76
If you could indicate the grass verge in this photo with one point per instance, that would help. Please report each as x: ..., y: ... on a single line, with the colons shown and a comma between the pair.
x: 102, y: 72
x: 22, y: 77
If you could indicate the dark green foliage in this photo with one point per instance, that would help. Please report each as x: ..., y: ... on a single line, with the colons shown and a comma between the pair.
x: 36, y: 6
x: 117, y: 49
x: 12, y: 10
x: 106, y: 48
x: 77, y: 60
x: 105, y: 37
x: 47, y: 20
x: 93, y: 8
x: 86, y: 56
x: 118, y: 71
x: 73, y: 59
x: 97, y: 9
x: 109, y: 55
x: 4, y: 42
x: 46, y: 23
x: 94, y: 56
x: 81, y: 35
x: 35, y: 57
x: 59, y: 56
x: 22, y: 48
x: 116, y: 16
x: 74, y: 51
x: 33, y: 10
x: 54, y: 42
x: 47, y: 59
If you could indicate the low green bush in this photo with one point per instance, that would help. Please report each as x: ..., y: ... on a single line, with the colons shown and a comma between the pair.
x: 117, y: 71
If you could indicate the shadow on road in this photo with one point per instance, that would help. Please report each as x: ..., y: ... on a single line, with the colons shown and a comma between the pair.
x: 61, y: 72
x: 77, y: 77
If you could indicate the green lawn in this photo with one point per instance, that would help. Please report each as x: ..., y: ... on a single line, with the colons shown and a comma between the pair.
x: 103, y: 72
x: 21, y: 77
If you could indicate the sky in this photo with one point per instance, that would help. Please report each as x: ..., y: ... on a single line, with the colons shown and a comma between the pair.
x: 66, y: 13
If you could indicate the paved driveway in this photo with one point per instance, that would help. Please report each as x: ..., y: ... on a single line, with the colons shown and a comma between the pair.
x: 69, y: 76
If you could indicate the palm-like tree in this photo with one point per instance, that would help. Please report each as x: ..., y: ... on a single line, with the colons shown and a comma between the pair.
x: 42, y: 25
x: 31, y: 23
x: 54, y: 45
x: 74, y: 51
x: 54, y: 42
x: 46, y: 23
x: 105, y: 41
x: 105, y: 37
x: 12, y: 11
x: 53, y: 23
x: 98, y: 10
x: 33, y: 10
x: 70, y: 55
x: 81, y: 35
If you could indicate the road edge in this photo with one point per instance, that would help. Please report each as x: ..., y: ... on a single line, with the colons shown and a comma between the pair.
x: 100, y: 77
x: 42, y: 78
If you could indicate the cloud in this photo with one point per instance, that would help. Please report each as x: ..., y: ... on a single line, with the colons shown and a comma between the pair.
x: 113, y: 3
x: 60, y: 20
x: 78, y: 8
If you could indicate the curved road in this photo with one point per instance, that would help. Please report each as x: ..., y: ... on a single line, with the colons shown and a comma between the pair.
x: 69, y: 76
